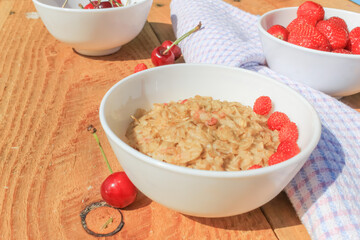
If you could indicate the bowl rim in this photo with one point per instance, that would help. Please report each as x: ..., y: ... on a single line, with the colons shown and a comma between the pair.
x: 309, y: 50
x: 92, y: 11
x: 197, y: 172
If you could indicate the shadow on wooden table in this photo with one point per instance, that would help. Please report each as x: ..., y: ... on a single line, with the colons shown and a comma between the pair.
x: 353, y: 101
x: 140, y: 202
x: 249, y: 221
x: 141, y: 47
x: 166, y: 31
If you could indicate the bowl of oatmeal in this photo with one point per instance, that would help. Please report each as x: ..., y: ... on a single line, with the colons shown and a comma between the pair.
x: 188, y: 138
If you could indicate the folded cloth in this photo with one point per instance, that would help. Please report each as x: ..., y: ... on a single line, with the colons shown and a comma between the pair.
x: 325, y: 193
x: 356, y: 1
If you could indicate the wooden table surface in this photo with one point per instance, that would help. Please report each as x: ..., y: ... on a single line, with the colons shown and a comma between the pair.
x: 51, y: 167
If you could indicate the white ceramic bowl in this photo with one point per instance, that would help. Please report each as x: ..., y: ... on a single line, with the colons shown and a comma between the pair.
x: 334, y: 74
x: 199, y: 192
x: 93, y: 32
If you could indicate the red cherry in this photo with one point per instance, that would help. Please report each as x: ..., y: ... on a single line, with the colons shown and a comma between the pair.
x: 96, y: 5
x: 175, y: 48
x: 163, y: 55
x: 160, y: 57
x: 118, y: 191
x: 105, y: 5
x: 90, y: 6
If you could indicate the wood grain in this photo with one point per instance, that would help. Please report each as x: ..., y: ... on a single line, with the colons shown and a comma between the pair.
x: 283, y: 219
x: 50, y: 165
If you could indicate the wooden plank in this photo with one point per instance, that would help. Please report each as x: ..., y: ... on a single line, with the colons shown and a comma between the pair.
x: 159, y: 18
x: 283, y: 219
x: 48, y: 95
x: 6, y: 7
x: 352, y: 101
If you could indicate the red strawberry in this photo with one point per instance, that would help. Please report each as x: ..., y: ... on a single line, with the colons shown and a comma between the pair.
x: 356, y: 47
x: 354, y: 35
x: 279, y: 31
x: 339, y: 21
x: 140, y: 67
x: 289, y: 132
x: 309, y: 37
x: 277, y: 120
x: 255, y: 166
x: 288, y: 149
x: 276, y: 158
x: 300, y: 21
x: 344, y: 51
x: 312, y: 10
x: 336, y: 34
x: 262, y: 105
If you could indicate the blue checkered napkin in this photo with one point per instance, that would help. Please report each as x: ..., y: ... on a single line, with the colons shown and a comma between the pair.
x: 356, y: 1
x: 326, y: 191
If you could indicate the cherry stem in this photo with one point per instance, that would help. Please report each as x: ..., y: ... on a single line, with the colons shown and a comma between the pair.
x: 81, y: 6
x: 113, y: 2
x: 183, y: 37
x: 92, y: 3
x: 110, y: 220
x: 64, y: 3
x: 93, y: 131
x: 118, y: 4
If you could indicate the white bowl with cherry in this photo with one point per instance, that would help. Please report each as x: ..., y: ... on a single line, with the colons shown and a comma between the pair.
x: 94, y: 28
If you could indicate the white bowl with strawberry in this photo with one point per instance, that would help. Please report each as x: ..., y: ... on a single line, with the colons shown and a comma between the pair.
x: 94, y: 28
x: 314, y: 45
x: 203, y: 192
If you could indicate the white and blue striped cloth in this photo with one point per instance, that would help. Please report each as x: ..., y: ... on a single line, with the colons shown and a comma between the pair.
x: 326, y: 191
x: 356, y: 1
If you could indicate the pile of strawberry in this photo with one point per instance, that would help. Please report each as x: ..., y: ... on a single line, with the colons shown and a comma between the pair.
x: 311, y: 30
x: 288, y: 132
